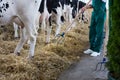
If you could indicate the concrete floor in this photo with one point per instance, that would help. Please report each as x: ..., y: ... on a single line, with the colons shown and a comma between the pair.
x: 84, y: 70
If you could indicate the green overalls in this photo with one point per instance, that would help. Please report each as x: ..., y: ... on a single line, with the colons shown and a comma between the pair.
x: 97, y: 25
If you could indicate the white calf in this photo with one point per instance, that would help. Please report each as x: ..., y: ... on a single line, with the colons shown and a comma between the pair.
x: 24, y: 13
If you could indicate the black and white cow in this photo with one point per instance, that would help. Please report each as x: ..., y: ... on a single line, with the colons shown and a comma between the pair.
x: 24, y: 13
x: 76, y: 9
x: 48, y: 8
x: 67, y: 10
x: 77, y: 5
x: 71, y: 8
x: 59, y: 7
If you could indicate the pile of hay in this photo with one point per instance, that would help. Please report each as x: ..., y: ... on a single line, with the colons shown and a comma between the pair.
x: 49, y: 60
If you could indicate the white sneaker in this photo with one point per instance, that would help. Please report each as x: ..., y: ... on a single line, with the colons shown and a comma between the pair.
x: 88, y: 51
x: 94, y: 54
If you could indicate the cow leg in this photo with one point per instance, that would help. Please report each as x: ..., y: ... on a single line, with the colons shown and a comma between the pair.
x: 43, y: 24
x: 23, y: 38
x: 58, y: 21
x: 15, y: 30
x: 32, y: 33
x: 58, y: 27
x: 67, y: 13
x: 37, y: 21
x: 49, y: 27
x: 70, y: 14
x: 32, y: 45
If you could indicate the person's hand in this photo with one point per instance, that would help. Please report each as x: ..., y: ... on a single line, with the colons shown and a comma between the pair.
x: 83, y: 9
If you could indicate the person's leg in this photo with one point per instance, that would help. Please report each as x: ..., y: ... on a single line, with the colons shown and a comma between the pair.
x: 99, y: 32
x: 92, y: 32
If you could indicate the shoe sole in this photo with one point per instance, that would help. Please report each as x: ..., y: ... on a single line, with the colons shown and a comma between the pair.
x: 95, y: 56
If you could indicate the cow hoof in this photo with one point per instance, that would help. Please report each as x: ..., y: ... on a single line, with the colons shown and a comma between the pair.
x: 47, y: 43
x: 57, y: 35
x: 30, y: 57
x: 18, y: 53
x: 16, y: 38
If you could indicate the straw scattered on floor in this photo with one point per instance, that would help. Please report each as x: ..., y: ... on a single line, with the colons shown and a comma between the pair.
x: 49, y: 60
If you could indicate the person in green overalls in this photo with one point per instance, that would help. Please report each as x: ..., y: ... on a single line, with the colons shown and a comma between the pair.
x: 98, y: 18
